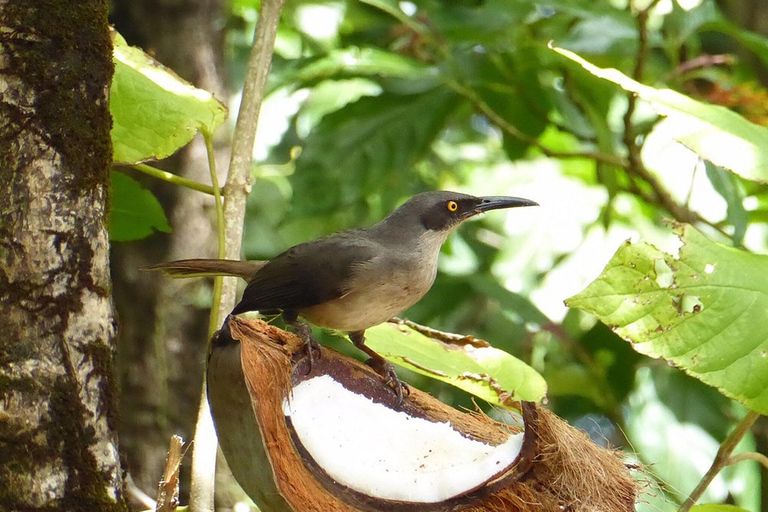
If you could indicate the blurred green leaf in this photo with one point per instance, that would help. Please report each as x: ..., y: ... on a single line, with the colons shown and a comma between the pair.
x: 509, y: 84
x: 684, y: 23
x: 486, y: 372
x: 135, y: 212
x: 514, y: 302
x: 727, y: 185
x: 368, y: 145
x: 717, y: 507
x: 354, y: 62
x: 677, y: 449
x: 611, y: 33
x: 704, y: 311
x: 154, y: 112
x: 756, y: 43
x: 713, y: 132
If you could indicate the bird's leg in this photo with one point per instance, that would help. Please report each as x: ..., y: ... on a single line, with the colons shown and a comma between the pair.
x: 381, y: 366
x: 303, y: 331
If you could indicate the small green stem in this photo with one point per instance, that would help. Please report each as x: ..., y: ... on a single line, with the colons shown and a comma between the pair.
x: 722, y: 459
x: 222, y: 250
x: 172, y: 178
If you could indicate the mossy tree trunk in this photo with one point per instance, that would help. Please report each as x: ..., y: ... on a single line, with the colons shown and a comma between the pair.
x: 58, y: 440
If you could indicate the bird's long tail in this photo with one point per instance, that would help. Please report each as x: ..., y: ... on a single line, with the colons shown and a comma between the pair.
x: 209, y: 267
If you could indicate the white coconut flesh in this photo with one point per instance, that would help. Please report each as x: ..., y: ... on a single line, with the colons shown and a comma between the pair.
x: 385, y: 453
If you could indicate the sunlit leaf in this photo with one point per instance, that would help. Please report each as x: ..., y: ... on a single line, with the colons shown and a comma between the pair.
x: 704, y: 311
x: 486, y: 372
x: 135, y: 212
x: 154, y: 112
x: 713, y: 132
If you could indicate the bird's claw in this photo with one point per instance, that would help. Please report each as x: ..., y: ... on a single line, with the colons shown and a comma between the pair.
x: 304, y: 332
x: 387, y: 371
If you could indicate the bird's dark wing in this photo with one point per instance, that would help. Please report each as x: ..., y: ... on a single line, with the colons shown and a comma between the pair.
x: 307, y: 274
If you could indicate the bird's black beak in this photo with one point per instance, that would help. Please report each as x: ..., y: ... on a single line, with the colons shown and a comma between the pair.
x: 489, y: 203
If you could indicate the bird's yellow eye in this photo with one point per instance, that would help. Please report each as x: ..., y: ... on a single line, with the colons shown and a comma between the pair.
x: 452, y: 206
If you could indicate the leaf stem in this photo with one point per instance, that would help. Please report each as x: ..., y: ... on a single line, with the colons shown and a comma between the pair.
x: 741, y: 457
x: 222, y: 251
x: 722, y: 459
x: 172, y: 178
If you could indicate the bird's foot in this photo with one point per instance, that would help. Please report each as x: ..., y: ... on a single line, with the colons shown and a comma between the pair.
x: 304, y: 332
x: 386, y: 370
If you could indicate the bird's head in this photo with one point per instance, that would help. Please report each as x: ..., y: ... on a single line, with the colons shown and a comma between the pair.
x: 443, y: 210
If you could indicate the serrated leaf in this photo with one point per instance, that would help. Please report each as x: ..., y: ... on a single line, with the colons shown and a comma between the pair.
x: 154, y: 111
x: 713, y: 132
x: 705, y: 310
x: 488, y: 373
x: 135, y: 212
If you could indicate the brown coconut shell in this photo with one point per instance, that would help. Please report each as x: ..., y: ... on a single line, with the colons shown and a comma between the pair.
x: 253, y: 367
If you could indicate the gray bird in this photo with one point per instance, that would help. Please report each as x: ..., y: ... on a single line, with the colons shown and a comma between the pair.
x: 354, y: 279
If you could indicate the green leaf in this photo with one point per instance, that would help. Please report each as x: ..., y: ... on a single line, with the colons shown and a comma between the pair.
x: 613, y: 33
x: 370, y: 144
x: 509, y: 84
x: 488, y: 373
x: 355, y: 62
x: 717, y: 507
x: 666, y: 432
x: 154, y: 112
x: 135, y: 212
x: 727, y: 185
x: 713, y: 132
x: 704, y: 311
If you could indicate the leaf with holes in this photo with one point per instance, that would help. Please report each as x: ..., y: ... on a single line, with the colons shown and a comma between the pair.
x: 488, y: 373
x: 705, y: 310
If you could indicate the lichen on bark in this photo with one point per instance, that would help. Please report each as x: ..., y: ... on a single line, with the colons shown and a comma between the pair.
x: 58, y: 444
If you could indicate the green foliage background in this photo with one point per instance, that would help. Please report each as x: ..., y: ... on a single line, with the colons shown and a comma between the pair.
x: 375, y: 100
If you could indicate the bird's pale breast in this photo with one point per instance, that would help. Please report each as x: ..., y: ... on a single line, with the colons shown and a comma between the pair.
x: 379, y: 289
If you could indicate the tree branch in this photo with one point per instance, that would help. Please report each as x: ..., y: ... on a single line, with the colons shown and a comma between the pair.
x: 235, y: 193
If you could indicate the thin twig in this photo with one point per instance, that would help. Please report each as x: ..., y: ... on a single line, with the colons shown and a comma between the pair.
x: 643, y: 50
x: 172, y: 178
x: 168, y: 488
x: 511, y: 130
x: 757, y: 457
x: 721, y: 459
x: 635, y: 165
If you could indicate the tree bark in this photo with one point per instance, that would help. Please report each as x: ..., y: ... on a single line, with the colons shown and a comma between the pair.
x: 58, y: 415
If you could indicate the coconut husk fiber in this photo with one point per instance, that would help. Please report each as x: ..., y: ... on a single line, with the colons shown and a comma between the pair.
x: 252, y: 368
